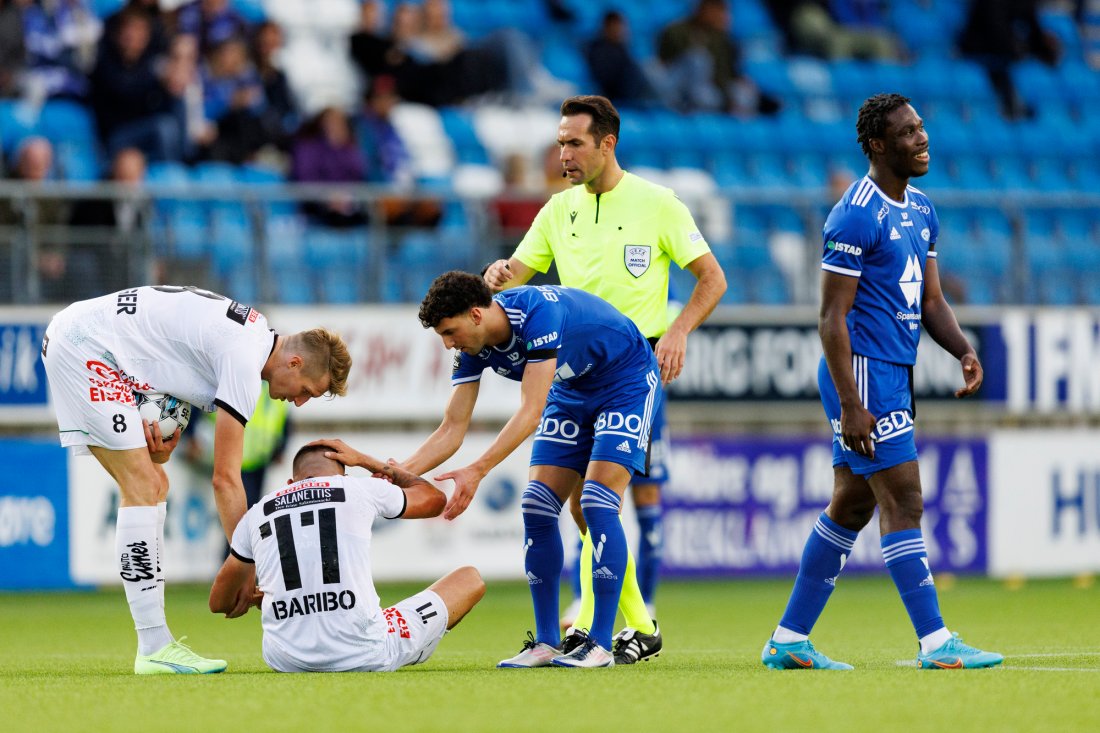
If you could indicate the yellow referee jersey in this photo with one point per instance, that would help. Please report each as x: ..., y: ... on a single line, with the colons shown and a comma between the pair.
x: 617, y: 245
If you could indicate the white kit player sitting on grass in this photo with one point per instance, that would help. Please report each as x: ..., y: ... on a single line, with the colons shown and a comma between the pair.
x: 197, y: 347
x: 310, y: 543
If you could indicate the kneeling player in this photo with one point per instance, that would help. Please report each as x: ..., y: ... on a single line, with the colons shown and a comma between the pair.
x: 310, y: 543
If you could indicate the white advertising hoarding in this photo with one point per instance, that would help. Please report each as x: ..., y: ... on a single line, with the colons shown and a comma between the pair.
x: 1044, y: 504
x: 400, y: 370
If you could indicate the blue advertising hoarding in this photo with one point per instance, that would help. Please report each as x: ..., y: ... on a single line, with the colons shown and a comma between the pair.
x: 744, y: 505
x: 34, y: 515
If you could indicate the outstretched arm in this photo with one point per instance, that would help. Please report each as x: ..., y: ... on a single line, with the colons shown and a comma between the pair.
x: 537, y: 379
x: 448, y: 437
x: 939, y: 320
x: 422, y: 499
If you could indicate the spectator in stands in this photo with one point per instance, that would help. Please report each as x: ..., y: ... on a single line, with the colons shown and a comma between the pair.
x: 110, y: 237
x: 280, y: 116
x: 836, y: 29
x: 388, y: 160
x: 618, y: 76
x: 436, y: 38
x: 500, y: 63
x: 60, y: 39
x: 233, y: 99
x: 158, y: 34
x: 702, y: 65
x: 135, y: 103
x: 211, y: 22
x: 520, y: 201
x: 13, y: 52
x: 40, y: 219
x: 997, y: 34
x: 326, y: 152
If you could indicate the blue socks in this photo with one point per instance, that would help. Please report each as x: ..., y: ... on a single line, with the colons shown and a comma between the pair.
x: 649, y: 549
x: 907, y: 560
x: 823, y: 558
x: 600, y: 506
x: 543, y: 556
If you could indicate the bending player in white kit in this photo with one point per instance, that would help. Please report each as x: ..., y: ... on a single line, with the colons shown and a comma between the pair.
x: 310, y: 543
x: 199, y: 347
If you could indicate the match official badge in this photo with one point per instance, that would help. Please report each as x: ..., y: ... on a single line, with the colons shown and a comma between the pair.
x: 637, y: 258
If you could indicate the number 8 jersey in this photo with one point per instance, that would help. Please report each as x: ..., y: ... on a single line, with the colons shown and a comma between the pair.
x: 311, y: 545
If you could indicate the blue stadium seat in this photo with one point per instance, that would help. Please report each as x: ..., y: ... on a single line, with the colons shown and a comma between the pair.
x: 292, y: 285
x: 78, y: 161
x: 334, y: 248
x: 16, y: 123
x: 981, y: 288
x: 728, y: 169
x: 341, y: 286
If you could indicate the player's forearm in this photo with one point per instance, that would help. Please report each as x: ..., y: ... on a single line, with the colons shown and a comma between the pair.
x: 708, y: 290
x: 510, y: 437
x: 837, y: 347
x: 440, y: 445
x: 940, y: 322
x: 230, y: 500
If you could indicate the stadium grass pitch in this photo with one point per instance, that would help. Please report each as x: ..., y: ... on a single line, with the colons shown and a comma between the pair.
x: 66, y: 661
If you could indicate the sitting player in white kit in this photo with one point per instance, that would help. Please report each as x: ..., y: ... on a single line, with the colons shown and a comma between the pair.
x: 310, y: 543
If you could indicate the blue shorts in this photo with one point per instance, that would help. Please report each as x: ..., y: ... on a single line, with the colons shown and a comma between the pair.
x: 659, y: 447
x: 611, y: 424
x: 886, y: 391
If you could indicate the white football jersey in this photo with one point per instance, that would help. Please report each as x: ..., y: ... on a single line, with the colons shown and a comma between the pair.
x: 195, y: 345
x: 311, y: 545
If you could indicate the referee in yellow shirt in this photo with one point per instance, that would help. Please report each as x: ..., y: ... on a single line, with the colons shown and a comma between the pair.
x: 615, y: 234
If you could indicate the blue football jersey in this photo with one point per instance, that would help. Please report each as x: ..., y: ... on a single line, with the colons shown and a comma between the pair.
x: 885, y: 243
x: 594, y: 344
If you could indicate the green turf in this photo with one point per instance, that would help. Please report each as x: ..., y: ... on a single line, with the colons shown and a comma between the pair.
x: 65, y: 662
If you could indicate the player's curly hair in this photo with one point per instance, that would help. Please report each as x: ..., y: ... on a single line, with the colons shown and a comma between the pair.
x: 326, y: 353
x: 451, y: 294
x: 605, y: 118
x: 872, y: 118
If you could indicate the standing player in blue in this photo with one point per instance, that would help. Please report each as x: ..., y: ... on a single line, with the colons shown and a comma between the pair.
x: 880, y: 284
x: 590, y: 384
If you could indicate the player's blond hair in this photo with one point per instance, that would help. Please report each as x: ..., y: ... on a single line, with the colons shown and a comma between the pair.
x: 324, y: 352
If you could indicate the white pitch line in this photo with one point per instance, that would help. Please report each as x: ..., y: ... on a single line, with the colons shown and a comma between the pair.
x: 1011, y: 667
x: 1055, y: 655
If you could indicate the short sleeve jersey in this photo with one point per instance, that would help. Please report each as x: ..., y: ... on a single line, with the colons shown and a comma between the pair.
x: 594, y: 344
x: 617, y: 245
x: 311, y: 544
x: 195, y: 345
x: 886, y: 244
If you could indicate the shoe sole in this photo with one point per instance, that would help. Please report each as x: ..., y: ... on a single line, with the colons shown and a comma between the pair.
x: 646, y: 658
x: 580, y: 666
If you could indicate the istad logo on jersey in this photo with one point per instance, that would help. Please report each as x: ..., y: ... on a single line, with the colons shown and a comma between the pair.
x: 542, y: 340
x: 850, y: 249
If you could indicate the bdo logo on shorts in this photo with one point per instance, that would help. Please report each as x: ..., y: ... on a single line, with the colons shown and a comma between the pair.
x: 557, y: 430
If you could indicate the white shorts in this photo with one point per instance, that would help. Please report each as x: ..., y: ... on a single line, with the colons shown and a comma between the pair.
x: 415, y: 627
x: 93, y: 400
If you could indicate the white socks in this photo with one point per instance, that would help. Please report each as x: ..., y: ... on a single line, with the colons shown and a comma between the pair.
x: 136, y: 548
x: 786, y: 636
x: 162, y: 513
x: 935, y: 640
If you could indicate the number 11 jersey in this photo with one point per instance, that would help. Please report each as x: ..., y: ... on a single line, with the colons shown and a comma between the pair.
x: 311, y: 545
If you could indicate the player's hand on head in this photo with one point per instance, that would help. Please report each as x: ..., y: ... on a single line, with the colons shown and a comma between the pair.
x: 341, y: 452
x: 160, y: 448
x: 466, y: 483
x: 973, y: 375
x: 670, y: 352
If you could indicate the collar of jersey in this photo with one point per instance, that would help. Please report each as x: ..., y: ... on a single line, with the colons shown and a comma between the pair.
x: 505, y: 349
x: 904, y: 204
